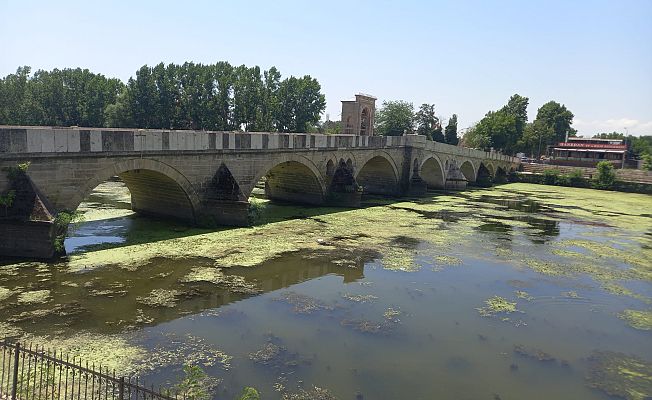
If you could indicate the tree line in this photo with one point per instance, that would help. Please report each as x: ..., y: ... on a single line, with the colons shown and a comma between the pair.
x: 507, y: 129
x: 187, y: 96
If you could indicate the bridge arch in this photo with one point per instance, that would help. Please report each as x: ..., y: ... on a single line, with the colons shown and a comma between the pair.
x: 292, y: 178
x: 490, y: 167
x: 501, y: 175
x: 433, y: 173
x: 468, y: 170
x: 378, y: 174
x: 156, y: 188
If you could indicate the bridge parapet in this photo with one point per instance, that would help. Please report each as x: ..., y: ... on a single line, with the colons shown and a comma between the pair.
x: 21, y: 139
x: 468, y: 152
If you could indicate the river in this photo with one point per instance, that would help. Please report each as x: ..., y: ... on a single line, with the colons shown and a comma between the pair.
x: 514, y: 292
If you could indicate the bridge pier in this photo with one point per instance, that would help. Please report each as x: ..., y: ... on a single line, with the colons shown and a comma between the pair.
x: 223, y: 212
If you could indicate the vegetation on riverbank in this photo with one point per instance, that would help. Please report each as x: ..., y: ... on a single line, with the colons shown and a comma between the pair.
x: 605, y: 179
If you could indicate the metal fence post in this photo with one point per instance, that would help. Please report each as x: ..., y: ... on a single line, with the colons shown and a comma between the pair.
x: 15, y: 377
x: 122, y: 388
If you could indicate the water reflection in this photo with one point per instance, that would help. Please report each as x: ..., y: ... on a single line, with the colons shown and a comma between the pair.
x: 102, y: 299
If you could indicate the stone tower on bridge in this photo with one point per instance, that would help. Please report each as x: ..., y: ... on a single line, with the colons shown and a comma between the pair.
x: 358, y: 115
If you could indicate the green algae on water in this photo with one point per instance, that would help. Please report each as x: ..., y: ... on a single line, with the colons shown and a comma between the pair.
x: 392, y: 314
x: 5, y: 294
x: 303, y: 304
x: 360, y: 298
x: 617, y: 374
x: 160, y: 298
x: 497, y: 305
x: 638, y: 319
x: 34, y: 297
x: 234, y: 283
x: 523, y: 295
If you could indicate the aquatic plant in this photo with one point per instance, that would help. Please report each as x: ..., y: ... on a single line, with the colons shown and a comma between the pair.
x: 638, y: 319
x: 536, y: 354
x: 496, y: 305
x: 234, y: 283
x: 523, y: 295
x: 160, y: 298
x: 34, y: 296
x: 392, y: 314
x: 367, y: 326
x: 187, y: 349
x: 359, y: 298
x: 617, y: 374
x: 5, y: 294
x: 302, y: 304
x: 315, y: 393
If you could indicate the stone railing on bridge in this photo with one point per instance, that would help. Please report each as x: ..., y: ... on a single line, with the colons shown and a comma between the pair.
x: 14, y: 139
x: 22, y: 139
x: 468, y: 152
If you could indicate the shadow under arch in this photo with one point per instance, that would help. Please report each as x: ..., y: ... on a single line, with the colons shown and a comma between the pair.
x: 292, y: 179
x: 432, y: 172
x: 378, y: 175
x: 468, y: 170
x: 490, y: 168
x: 484, y: 177
x: 156, y: 189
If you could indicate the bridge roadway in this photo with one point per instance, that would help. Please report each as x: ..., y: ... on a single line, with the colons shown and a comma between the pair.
x: 206, y: 177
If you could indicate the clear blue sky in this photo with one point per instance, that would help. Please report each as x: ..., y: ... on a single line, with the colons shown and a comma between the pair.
x: 467, y: 57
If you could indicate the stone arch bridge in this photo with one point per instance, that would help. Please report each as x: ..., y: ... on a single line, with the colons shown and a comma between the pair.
x: 202, y: 176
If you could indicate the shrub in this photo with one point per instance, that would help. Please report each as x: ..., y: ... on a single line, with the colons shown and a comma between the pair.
x: 19, y: 169
x: 576, y: 178
x: 194, y: 383
x: 551, y: 177
x: 62, y: 221
x: 647, y: 162
x: 249, y: 393
x: 606, y: 177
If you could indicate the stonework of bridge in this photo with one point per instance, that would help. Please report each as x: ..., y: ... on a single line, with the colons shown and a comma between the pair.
x: 207, y: 177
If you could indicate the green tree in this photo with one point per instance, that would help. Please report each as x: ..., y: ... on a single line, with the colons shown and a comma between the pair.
x: 118, y: 114
x: 517, y: 106
x: 502, y: 129
x: 450, y: 133
x: 394, y: 118
x: 536, y: 137
x: 300, y: 104
x: 558, y: 118
x: 13, y: 89
x: 329, y: 127
x: 427, y: 123
x: 641, y: 145
x: 476, y: 138
x: 269, y: 105
x: 610, y: 135
x: 247, y: 93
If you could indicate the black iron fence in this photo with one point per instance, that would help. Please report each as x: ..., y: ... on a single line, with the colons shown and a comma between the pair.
x: 34, y: 373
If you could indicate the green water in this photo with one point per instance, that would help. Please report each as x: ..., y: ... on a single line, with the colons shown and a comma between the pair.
x: 354, y: 310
